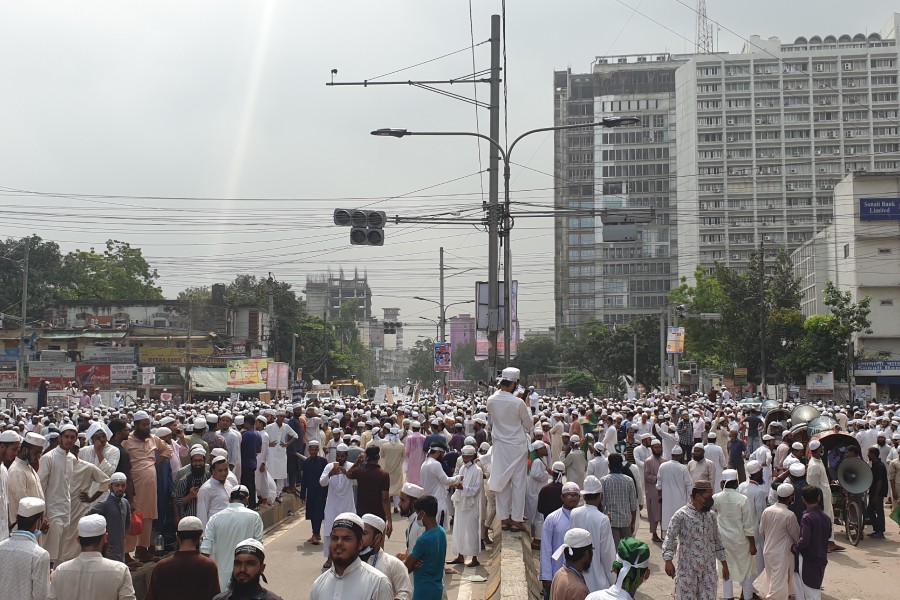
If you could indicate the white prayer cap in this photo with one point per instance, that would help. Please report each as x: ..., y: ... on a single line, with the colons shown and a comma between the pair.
x: 676, y: 449
x: 710, y: 436
x: 199, y: 423
x: 797, y: 446
x: 314, y: 443
x: 91, y: 526
x: 28, y: 507
x: 342, y: 448
x: 698, y: 446
x: 570, y: 487
x: 644, y: 436
x: 163, y: 432
x: 374, y: 521
x: 816, y: 444
x: 656, y: 442
x: 348, y: 520
x: 575, y: 538
x: 753, y: 467
x: 537, y: 445
x: 484, y: 447
x: 165, y: 421
x: 260, y: 418
x: 198, y: 450
x: 67, y: 427
x: 767, y: 437
x: 250, y: 546
x: 575, y: 439
x: 591, y: 486
x: 34, y: 439
x: 468, y: 451
x: 785, y: 490
x: 118, y: 477
x: 559, y: 466
x: 412, y: 490
x: 217, y: 460
x: 140, y: 415
x: 190, y: 524
x: 511, y: 374
x: 212, y: 418
x: 729, y: 475
x: 598, y: 447
x: 9, y: 437
x: 797, y: 469
x: 52, y: 435
x: 239, y: 420
x: 469, y: 441
x: 219, y: 452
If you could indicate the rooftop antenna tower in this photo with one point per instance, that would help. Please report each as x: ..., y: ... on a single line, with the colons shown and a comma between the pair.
x: 704, y: 44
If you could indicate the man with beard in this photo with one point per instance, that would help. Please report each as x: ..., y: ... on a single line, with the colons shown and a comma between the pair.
x: 350, y: 577
x: 310, y: 471
x: 467, y: 501
x: 9, y: 447
x: 23, y: 479
x: 145, y: 450
x: 701, y: 468
x: 340, y: 494
x: 213, y: 495
x: 191, y: 478
x: 589, y: 517
x: 186, y: 574
x: 249, y: 566
x: 373, y: 554
x: 408, y: 496
x: 653, y: 496
x: 694, y: 534
x: 227, y: 527
x: 554, y: 531
x: 568, y: 581
x: 117, y: 512
x: 56, y: 468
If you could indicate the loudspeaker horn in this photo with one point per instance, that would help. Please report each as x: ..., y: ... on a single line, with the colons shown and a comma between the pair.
x: 854, y: 475
x: 804, y: 413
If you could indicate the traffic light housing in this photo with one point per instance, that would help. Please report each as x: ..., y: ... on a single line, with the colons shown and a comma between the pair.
x: 391, y: 327
x: 695, y: 370
x: 366, y: 226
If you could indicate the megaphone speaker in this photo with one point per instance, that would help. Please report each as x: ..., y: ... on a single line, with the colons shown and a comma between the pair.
x: 854, y: 475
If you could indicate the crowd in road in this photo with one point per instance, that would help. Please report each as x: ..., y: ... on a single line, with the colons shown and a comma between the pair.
x: 90, y: 493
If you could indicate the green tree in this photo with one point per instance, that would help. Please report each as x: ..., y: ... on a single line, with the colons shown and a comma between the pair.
x: 421, y: 365
x: 538, y: 355
x: 120, y: 272
x: 703, y: 338
x: 579, y: 382
x: 46, y: 277
x: 473, y: 370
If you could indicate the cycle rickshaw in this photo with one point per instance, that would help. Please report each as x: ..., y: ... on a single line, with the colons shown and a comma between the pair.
x: 850, y: 483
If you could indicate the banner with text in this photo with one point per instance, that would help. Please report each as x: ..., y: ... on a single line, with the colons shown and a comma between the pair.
x: 253, y: 371
x: 9, y: 380
x: 107, y: 355
x: 675, y: 340
x: 122, y: 373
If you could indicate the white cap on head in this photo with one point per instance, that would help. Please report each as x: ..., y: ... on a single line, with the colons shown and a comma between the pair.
x: 797, y: 469
x: 9, y: 437
x: 190, y: 524
x: 710, y: 436
x: 591, y: 486
x: 140, y: 415
x: 468, y: 451
x: 570, y: 487
x: 28, y: 507
x: 575, y: 538
x: 559, y: 466
x: 197, y: 450
x: 91, y: 526
x: 511, y: 374
x: 199, y: 423
x: 342, y: 448
x: 766, y: 437
x: 785, y: 490
x: 729, y: 475
x: 753, y: 467
x: 655, y: 442
x: 374, y: 521
x: 163, y: 432
x: 797, y: 446
x: 212, y: 418
x: 67, y: 427
x: 239, y: 420
x: 412, y: 490
x: 217, y: 460
x: 166, y: 421
x: 219, y: 452
x: 484, y: 447
x: 34, y: 439
x: 677, y: 449
x: 537, y: 445
x: 118, y: 477
x: 815, y: 445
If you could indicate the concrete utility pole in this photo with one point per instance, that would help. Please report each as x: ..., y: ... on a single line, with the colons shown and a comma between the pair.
x: 22, y: 348
x: 662, y: 351
x: 443, y: 322
x: 187, y: 357
x: 494, y: 198
x: 271, y: 349
x: 762, y: 319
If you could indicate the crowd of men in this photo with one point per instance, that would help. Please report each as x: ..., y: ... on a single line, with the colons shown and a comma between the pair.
x: 93, y: 492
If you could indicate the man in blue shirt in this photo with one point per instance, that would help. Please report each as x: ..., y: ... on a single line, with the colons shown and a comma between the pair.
x: 251, y: 445
x: 426, y: 561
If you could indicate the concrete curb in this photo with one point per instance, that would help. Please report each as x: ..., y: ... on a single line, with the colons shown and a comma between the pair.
x: 515, y: 570
x: 271, y: 517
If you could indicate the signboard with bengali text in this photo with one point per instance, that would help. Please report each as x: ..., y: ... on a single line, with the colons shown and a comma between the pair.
x: 252, y: 371
x: 675, y: 340
x: 107, y: 355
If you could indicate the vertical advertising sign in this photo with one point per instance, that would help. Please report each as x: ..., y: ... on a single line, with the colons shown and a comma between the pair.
x: 675, y: 340
x: 442, y: 357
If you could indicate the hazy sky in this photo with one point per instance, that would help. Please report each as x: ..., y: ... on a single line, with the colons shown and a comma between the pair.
x: 223, y: 105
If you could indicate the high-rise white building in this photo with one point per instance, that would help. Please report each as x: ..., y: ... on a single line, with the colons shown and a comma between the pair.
x: 734, y: 151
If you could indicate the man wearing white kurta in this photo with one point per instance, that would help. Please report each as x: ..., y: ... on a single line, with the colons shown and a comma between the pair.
x: 763, y: 455
x: 261, y: 476
x: 538, y: 477
x: 715, y: 453
x: 213, y: 495
x: 23, y: 479
x: 668, y: 438
x: 7, y: 438
x: 467, y: 502
x: 55, y: 472
x: 676, y: 484
x: 340, y: 494
x: 736, y: 531
x: 757, y: 494
x: 511, y: 421
x: 589, y: 517
x: 435, y: 481
x: 24, y: 565
x: 100, y: 453
x: 280, y: 434
x: 817, y: 476
x: 227, y: 528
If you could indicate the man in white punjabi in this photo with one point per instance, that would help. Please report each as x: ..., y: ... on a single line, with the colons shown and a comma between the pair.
x: 24, y: 565
x: 467, y: 502
x: 734, y: 514
x: 693, y: 534
x: 55, y: 472
x: 227, y: 527
x: 349, y: 577
x: 374, y: 555
x: 653, y: 496
x: 589, y: 517
x: 781, y: 530
x: 675, y: 484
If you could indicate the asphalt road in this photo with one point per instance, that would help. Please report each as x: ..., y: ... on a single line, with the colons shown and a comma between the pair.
x: 292, y: 565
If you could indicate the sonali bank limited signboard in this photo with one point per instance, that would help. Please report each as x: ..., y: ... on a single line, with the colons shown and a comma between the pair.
x: 879, y: 209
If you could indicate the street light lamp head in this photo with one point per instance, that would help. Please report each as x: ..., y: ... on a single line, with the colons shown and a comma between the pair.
x: 387, y: 132
x: 619, y: 121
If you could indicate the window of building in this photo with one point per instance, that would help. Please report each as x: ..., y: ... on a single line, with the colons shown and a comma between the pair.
x: 887, y: 302
x: 846, y: 250
x: 885, y: 251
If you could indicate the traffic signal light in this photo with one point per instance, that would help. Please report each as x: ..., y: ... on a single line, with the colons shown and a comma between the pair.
x: 695, y: 370
x: 391, y: 327
x: 366, y: 226
x: 681, y: 310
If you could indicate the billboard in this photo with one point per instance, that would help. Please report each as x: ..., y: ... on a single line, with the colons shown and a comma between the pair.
x: 9, y: 380
x: 252, y: 371
x: 174, y: 356
x: 442, y: 356
x: 278, y: 376
x: 107, y: 355
x: 122, y: 373
x: 481, y: 299
x: 91, y: 376
x: 675, y: 340
x: 820, y: 383
x: 483, y: 345
x: 879, y: 209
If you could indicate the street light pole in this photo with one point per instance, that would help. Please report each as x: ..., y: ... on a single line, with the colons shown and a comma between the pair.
x: 443, y: 321
x: 507, y: 217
